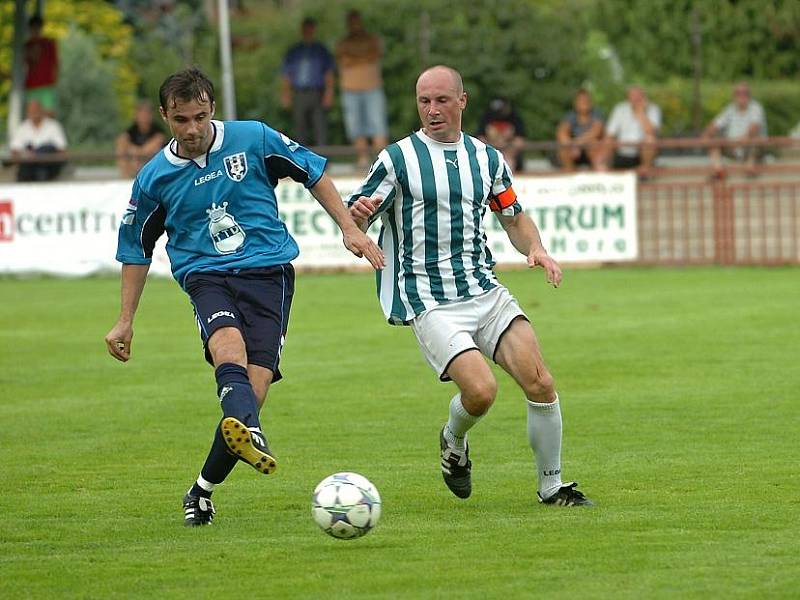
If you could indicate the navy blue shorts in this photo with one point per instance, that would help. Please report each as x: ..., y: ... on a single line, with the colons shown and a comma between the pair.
x: 255, y: 301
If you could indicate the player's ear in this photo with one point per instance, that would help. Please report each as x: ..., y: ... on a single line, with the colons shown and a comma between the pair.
x: 213, y: 109
x: 463, y: 101
x: 163, y: 113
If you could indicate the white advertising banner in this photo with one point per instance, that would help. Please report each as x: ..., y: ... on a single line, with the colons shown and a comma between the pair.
x: 586, y: 217
x: 71, y: 228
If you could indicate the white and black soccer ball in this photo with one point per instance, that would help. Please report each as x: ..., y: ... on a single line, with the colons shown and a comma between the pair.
x: 346, y: 505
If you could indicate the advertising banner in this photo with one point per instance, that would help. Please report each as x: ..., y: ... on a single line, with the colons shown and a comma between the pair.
x: 71, y: 228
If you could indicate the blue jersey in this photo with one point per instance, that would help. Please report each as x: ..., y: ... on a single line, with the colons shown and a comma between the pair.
x: 219, y: 210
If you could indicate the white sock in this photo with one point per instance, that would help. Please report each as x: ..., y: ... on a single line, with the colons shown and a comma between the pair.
x: 544, y: 437
x: 460, y: 421
x: 204, y: 484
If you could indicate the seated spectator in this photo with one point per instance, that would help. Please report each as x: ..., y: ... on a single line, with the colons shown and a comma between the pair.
x: 502, y: 128
x: 137, y: 144
x: 582, y: 125
x: 637, y: 122
x: 36, y: 136
x: 740, y: 120
x: 41, y: 66
x: 363, y: 101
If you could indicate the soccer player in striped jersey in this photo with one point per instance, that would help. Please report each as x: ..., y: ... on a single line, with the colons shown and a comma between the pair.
x: 431, y: 191
x: 211, y: 190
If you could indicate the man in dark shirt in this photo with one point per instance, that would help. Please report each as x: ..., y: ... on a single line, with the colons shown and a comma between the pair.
x: 307, y: 86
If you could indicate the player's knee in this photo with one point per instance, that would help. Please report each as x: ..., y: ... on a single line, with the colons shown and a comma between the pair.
x: 540, y: 387
x: 226, y: 345
x: 479, y: 398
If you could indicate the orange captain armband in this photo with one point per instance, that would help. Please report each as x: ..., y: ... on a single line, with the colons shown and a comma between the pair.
x: 503, y: 200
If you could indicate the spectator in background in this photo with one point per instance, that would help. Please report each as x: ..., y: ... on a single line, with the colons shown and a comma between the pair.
x: 38, y: 135
x: 358, y: 55
x: 307, y: 86
x: 582, y: 125
x: 502, y: 128
x: 636, y: 122
x: 742, y: 119
x: 41, y: 62
x: 137, y: 144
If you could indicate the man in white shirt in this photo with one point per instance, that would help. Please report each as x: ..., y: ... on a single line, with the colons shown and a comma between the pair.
x: 741, y: 119
x: 636, y: 121
x: 37, y: 135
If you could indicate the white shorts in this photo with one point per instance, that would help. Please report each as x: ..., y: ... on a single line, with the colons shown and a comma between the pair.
x: 445, y: 331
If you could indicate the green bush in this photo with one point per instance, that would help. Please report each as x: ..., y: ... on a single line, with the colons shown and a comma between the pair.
x: 87, y: 104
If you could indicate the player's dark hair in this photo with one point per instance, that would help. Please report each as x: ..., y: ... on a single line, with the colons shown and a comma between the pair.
x: 36, y: 21
x: 187, y: 85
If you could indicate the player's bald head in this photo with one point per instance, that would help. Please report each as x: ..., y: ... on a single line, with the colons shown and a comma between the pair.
x: 442, y: 73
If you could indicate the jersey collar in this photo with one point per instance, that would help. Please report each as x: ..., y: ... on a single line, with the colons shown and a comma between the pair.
x: 443, y: 145
x: 170, y: 150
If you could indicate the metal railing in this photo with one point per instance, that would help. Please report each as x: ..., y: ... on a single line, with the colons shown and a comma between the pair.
x: 688, y: 145
x: 722, y: 223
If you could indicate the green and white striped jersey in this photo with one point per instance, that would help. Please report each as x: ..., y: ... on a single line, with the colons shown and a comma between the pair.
x: 435, y: 196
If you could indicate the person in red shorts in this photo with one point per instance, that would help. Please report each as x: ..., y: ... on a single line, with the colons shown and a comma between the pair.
x: 41, y: 60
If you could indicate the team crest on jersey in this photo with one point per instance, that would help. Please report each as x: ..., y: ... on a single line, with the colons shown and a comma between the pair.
x: 236, y: 165
x: 225, y: 232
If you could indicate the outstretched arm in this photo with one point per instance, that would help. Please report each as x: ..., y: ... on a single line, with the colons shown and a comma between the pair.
x: 118, y: 340
x: 355, y: 240
x: 524, y: 235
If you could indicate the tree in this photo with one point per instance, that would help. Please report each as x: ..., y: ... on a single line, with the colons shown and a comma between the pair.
x: 101, y: 22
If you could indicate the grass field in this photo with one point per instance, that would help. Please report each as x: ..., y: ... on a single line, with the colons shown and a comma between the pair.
x: 679, y: 390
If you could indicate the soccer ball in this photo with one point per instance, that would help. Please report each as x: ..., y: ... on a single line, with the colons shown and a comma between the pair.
x: 346, y: 505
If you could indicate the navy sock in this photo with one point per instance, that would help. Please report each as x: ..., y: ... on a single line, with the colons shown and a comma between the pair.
x: 219, y: 463
x: 237, y: 399
x: 196, y: 490
x: 236, y: 394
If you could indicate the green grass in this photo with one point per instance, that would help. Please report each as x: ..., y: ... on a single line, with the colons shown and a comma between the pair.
x: 680, y: 399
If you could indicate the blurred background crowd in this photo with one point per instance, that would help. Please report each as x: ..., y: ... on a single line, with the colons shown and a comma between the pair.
x: 560, y: 85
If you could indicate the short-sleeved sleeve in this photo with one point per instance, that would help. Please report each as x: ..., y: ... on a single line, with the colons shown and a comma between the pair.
x: 654, y: 114
x: 503, y: 198
x: 723, y: 119
x: 759, y: 117
x: 286, y: 158
x: 614, y: 126
x: 142, y: 224
x: 287, y: 65
x: 381, y: 181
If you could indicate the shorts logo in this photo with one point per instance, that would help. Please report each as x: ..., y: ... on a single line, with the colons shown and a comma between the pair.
x: 220, y: 313
x: 225, y: 232
x: 236, y: 166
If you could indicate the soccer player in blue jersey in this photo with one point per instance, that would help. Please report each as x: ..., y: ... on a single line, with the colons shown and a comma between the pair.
x: 211, y: 190
x: 431, y: 191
